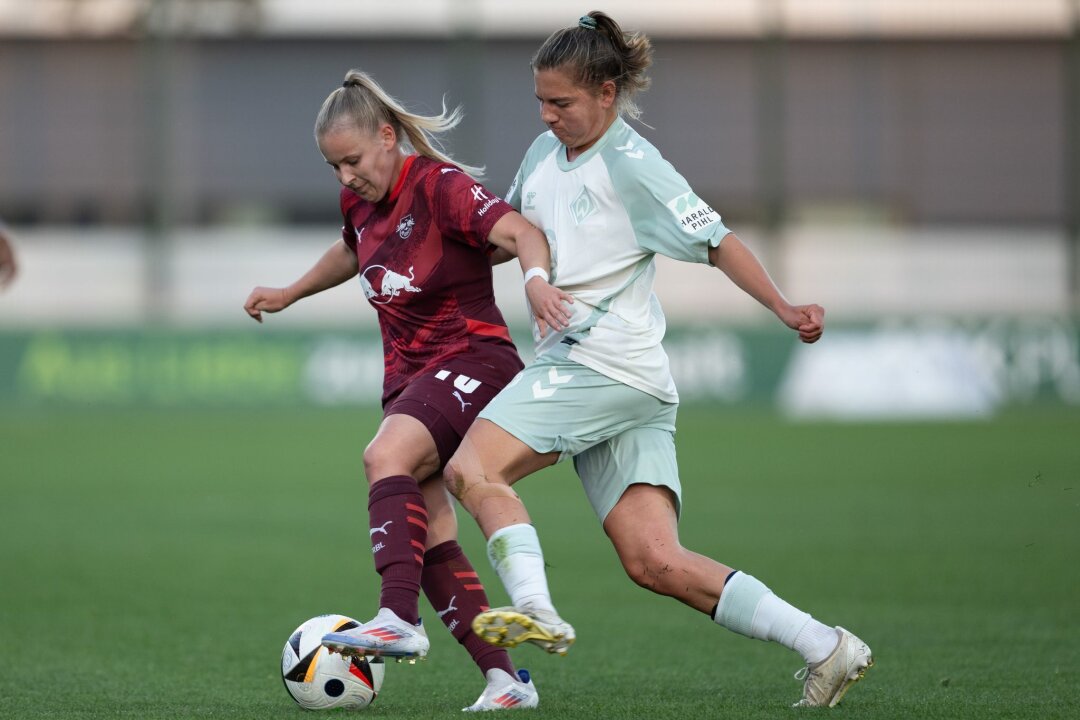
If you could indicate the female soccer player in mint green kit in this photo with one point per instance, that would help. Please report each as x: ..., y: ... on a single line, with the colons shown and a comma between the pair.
x: 600, y: 389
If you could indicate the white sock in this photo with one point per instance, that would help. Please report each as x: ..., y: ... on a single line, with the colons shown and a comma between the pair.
x: 750, y: 608
x: 514, y: 552
x: 816, y: 641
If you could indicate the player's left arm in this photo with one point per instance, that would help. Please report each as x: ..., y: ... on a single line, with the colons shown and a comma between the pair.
x: 500, y: 255
x: 740, y: 264
x: 516, y: 235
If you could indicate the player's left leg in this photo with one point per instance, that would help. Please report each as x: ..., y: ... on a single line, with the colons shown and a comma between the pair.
x: 454, y: 589
x: 506, y: 692
x: 642, y: 526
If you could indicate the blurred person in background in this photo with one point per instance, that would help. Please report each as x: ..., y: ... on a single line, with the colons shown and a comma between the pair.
x: 9, y: 268
x: 420, y: 233
x: 600, y: 390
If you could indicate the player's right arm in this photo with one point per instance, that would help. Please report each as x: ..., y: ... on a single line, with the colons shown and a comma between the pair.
x: 336, y: 266
x: 8, y: 266
x: 514, y: 234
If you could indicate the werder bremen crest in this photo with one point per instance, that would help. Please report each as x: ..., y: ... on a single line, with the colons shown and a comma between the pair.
x: 583, y: 206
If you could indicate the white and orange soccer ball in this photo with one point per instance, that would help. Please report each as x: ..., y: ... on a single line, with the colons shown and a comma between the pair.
x: 318, y: 679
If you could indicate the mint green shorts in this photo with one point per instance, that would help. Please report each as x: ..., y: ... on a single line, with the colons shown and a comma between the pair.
x: 618, y: 436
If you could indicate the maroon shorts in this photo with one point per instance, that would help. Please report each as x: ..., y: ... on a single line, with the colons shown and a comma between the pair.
x: 446, y: 402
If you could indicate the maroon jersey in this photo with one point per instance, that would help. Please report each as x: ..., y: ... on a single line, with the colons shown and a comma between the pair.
x: 423, y: 262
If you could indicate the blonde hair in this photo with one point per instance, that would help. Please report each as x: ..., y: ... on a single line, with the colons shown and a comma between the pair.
x: 596, y: 50
x: 361, y: 103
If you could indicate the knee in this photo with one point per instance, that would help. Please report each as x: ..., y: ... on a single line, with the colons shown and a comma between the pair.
x: 383, y: 459
x: 473, y: 487
x: 463, y: 483
x: 454, y: 477
x: 464, y: 472
x: 374, y: 459
x: 652, y: 567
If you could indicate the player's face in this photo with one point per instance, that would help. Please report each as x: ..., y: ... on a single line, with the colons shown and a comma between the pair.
x: 578, y: 116
x: 366, y: 163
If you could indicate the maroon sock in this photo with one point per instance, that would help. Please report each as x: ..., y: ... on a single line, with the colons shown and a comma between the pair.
x: 398, y: 532
x: 454, y: 589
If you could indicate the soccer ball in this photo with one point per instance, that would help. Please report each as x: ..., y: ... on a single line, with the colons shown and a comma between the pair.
x: 318, y: 679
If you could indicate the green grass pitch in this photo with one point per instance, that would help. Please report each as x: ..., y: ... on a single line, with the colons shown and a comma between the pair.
x: 152, y: 565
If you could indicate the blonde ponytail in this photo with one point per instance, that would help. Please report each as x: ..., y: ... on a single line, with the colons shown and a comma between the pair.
x: 360, y: 102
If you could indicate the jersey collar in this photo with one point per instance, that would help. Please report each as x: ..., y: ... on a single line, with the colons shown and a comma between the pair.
x: 401, y: 179
x: 586, y: 156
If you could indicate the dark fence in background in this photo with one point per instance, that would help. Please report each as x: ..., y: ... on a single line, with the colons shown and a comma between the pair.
x: 218, y: 130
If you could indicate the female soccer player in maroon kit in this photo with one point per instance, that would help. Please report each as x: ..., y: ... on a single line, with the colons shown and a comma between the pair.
x: 419, y: 232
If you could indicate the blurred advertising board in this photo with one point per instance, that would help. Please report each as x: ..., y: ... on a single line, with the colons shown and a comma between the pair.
x: 905, y: 369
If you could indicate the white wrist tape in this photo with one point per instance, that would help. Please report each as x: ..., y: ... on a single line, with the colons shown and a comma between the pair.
x: 536, y: 272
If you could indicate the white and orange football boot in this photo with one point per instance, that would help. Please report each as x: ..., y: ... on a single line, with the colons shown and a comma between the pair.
x: 386, y: 635
x: 506, y: 692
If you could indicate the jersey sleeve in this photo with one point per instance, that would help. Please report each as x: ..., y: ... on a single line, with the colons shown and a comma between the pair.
x: 513, y: 195
x: 464, y: 209
x: 541, y: 148
x: 667, y: 215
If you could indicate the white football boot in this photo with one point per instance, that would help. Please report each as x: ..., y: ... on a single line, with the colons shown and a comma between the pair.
x: 828, y: 680
x: 386, y: 635
x: 506, y: 692
x: 510, y: 626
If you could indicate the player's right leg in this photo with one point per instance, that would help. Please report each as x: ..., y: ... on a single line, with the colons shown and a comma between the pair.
x: 402, y: 450
x: 479, y: 474
x: 555, y: 408
x: 513, y: 625
x: 454, y: 589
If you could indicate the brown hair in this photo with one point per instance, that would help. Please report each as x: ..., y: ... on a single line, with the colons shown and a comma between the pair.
x: 596, y: 50
x: 361, y: 103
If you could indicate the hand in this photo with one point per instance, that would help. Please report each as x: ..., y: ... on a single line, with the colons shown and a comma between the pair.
x: 549, y: 305
x: 269, y: 300
x: 8, y: 267
x: 808, y: 320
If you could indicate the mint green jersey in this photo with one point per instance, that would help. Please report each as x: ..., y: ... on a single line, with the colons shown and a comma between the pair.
x: 606, y: 215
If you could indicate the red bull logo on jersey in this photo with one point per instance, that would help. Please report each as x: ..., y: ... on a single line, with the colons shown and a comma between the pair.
x: 692, y: 212
x: 390, y: 284
x: 404, y: 228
